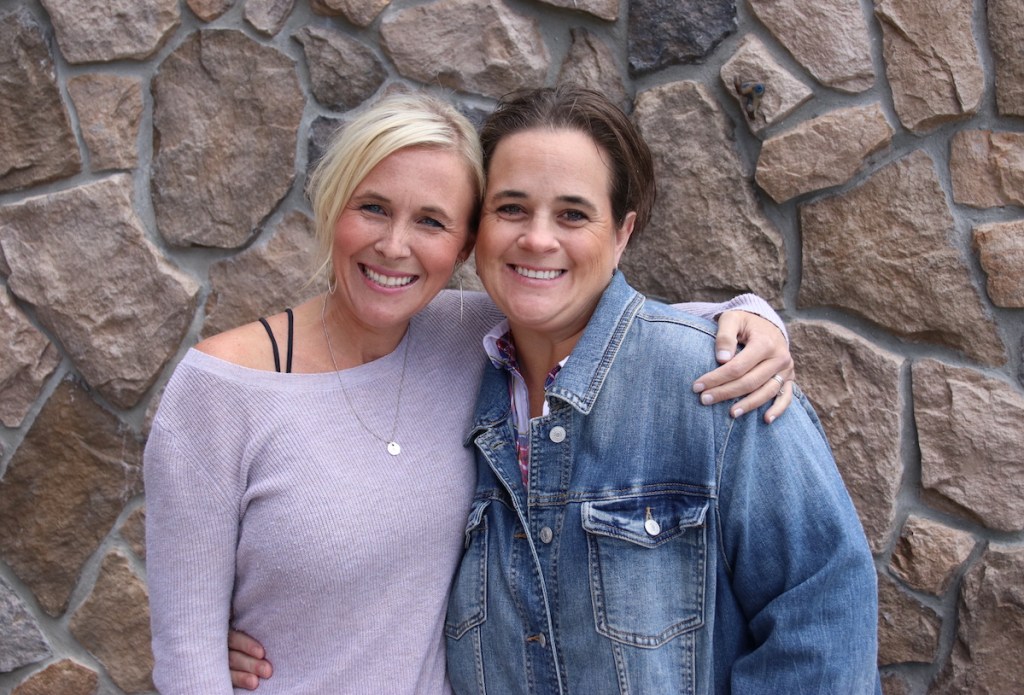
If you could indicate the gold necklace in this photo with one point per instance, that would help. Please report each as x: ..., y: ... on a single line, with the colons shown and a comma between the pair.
x: 391, y: 445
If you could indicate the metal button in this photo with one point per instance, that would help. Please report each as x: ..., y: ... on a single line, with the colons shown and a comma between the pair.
x: 652, y: 527
x: 557, y: 434
x: 539, y: 638
x: 546, y: 535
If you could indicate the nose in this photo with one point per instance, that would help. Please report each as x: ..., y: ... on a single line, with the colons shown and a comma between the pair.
x: 394, y: 243
x: 538, y: 237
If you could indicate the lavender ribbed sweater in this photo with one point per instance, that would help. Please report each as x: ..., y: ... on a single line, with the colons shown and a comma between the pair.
x: 271, y: 509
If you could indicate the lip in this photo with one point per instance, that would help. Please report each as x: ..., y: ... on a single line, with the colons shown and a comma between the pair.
x: 386, y: 280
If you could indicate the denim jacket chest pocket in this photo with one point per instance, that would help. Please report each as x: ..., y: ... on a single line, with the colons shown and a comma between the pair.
x: 647, y: 559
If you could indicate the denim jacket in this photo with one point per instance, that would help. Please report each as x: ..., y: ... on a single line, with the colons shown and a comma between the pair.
x: 662, y: 546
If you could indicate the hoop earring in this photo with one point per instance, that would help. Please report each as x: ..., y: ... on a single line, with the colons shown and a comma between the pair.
x: 332, y: 284
x: 461, y: 297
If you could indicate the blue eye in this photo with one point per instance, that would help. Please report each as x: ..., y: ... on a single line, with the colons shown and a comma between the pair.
x: 431, y: 222
x: 575, y: 216
x: 372, y: 208
x: 510, y: 209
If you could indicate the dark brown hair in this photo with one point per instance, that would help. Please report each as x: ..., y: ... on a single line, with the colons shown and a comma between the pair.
x: 593, y: 114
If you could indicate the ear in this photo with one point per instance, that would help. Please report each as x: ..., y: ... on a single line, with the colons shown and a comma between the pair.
x: 623, y: 233
x: 467, y: 248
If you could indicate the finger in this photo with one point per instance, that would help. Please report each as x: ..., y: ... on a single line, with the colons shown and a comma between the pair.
x: 729, y: 324
x: 755, y: 399
x: 749, y: 380
x: 242, y: 663
x: 246, y: 681
x: 774, y: 353
x: 782, y: 401
x: 241, y: 642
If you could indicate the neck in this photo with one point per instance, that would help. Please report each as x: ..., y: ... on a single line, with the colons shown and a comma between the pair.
x: 536, y: 354
x: 353, y: 343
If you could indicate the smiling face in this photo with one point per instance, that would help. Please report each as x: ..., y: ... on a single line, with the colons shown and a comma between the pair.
x: 548, y: 241
x: 399, y: 236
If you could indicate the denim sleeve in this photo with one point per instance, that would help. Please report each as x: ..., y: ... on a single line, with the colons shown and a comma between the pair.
x: 797, y: 570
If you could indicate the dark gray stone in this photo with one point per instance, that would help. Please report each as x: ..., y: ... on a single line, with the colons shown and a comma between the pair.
x: 673, y: 32
x: 343, y: 73
x: 21, y: 641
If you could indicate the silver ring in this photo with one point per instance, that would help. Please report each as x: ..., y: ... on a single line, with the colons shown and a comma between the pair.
x: 782, y: 384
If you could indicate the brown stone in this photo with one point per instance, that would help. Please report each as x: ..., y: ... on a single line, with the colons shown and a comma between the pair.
x: 109, y: 111
x: 21, y: 641
x: 63, y: 489
x: 855, y: 389
x: 244, y: 98
x: 591, y: 63
x: 828, y: 37
x: 895, y: 684
x: 268, y: 16
x: 1000, y: 246
x: 708, y: 238
x: 969, y: 429
x: 113, y: 624
x: 27, y: 359
x: 825, y: 151
x: 987, y: 168
x: 65, y: 677
x: 928, y: 553
x: 209, y: 10
x: 38, y: 144
x: 359, y: 12
x: 343, y: 73
x: 101, y: 31
x: 753, y: 62
x: 858, y: 246
x: 493, y: 51
x: 133, y: 530
x: 264, y: 279
x: 986, y: 658
x: 605, y: 9
x: 908, y: 631
x: 119, y: 309
x: 931, y: 59
x: 1005, y: 29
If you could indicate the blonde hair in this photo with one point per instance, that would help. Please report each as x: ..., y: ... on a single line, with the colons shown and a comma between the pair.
x: 395, y: 123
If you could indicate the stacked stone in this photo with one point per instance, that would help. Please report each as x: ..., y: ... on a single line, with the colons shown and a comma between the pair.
x: 863, y: 170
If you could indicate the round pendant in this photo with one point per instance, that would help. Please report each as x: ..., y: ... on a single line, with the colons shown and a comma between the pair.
x: 394, y: 449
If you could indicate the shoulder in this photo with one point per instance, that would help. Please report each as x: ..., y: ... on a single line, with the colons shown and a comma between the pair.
x: 248, y: 345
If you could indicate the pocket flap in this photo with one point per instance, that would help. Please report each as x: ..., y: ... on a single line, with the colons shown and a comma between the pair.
x: 476, y: 515
x: 645, y: 521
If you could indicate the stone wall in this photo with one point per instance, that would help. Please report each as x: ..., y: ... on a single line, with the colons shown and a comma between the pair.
x: 859, y: 164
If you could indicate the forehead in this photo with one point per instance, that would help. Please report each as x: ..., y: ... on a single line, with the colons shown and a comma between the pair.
x: 537, y: 159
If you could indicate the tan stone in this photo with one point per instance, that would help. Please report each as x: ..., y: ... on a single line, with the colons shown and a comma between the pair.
x: 591, y: 63
x: 987, y: 168
x: 928, y: 553
x: 605, y: 9
x: 908, y: 631
x: 268, y: 16
x: 65, y: 677
x: 783, y: 93
x: 244, y: 98
x: 969, y: 429
x: 825, y: 151
x: 264, y: 279
x: 38, y: 144
x: 113, y: 624
x: 1000, y: 246
x: 986, y: 657
x: 359, y: 12
x: 209, y: 10
x: 1005, y: 29
x: 708, y: 237
x: 855, y: 389
x: 895, y: 684
x: 119, y: 309
x: 828, y: 37
x: 101, y: 31
x: 21, y: 640
x: 858, y: 247
x: 63, y: 489
x: 491, y: 52
x: 931, y: 59
x: 343, y: 73
x: 109, y: 111
x: 133, y: 530
x: 27, y: 359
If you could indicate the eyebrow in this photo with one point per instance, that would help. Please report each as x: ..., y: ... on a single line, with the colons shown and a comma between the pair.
x: 571, y: 199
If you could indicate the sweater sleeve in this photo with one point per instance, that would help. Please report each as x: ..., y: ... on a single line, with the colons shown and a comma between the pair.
x: 744, y: 302
x: 191, y: 535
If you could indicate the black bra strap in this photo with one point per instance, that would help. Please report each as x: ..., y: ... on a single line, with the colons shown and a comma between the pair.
x: 273, y: 344
x: 291, y: 337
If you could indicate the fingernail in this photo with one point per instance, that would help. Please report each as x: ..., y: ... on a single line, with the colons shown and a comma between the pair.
x: 737, y: 412
x: 771, y: 419
x: 723, y: 355
x: 698, y: 387
x: 707, y: 399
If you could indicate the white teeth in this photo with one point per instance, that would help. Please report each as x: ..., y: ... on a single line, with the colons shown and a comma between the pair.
x: 388, y: 280
x: 537, y: 274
